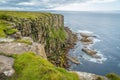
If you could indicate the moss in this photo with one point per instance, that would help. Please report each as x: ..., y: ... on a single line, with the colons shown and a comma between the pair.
x: 113, y: 76
x: 4, y: 28
x: 31, y: 67
x: 10, y: 31
x: 26, y: 41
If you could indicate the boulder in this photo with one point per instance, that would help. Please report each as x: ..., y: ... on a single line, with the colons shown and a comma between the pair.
x: 6, y: 64
x: 73, y: 59
x: 87, y: 34
x: 90, y: 52
x: 86, y: 41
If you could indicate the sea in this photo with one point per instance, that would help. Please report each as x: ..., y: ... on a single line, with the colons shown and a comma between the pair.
x: 106, y: 27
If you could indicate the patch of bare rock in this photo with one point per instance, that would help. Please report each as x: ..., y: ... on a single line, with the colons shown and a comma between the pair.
x: 6, y: 64
x: 90, y: 76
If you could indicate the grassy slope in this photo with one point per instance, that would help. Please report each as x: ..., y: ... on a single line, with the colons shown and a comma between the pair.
x: 31, y: 67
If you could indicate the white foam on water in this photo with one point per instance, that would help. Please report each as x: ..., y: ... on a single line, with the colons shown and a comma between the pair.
x: 95, y: 60
x: 96, y: 40
x: 85, y: 31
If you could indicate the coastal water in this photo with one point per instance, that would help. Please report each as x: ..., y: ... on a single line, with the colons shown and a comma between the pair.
x: 106, y: 25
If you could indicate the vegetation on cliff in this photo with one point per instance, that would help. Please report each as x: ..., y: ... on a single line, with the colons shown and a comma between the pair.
x: 5, y: 28
x: 28, y: 66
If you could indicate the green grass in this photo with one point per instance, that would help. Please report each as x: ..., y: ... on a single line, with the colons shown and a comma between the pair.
x: 113, y: 76
x: 5, y: 29
x: 21, y: 14
x: 31, y: 67
x: 26, y: 41
x: 10, y: 31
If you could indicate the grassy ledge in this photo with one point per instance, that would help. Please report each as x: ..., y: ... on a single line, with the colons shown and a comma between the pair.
x: 31, y: 67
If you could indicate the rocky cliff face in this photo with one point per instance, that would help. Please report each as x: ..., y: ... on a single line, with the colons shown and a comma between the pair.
x: 47, y: 29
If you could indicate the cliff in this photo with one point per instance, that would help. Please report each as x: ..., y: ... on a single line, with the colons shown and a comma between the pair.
x: 44, y: 28
x: 44, y: 35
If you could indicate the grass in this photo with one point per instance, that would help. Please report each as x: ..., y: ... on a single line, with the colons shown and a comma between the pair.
x: 31, y: 67
x: 10, y: 31
x: 113, y: 76
x: 26, y: 41
x: 5, y: 29
x: 22, y: 14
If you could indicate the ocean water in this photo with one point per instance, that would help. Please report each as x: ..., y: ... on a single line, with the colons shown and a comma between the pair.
x: 106, y: 26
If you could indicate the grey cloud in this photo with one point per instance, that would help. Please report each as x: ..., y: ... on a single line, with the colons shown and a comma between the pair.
x: 41, y: 4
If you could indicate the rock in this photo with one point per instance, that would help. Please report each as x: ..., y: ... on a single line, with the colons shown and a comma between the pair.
x: 6, y: 64
x: 17, y: 35
x: 86, y: 41
x: 18, y: 48
x: 87, y: 35
x: 90, y: 52
x: 6, y: 40
x: 90, y: 76
x: 72, y: 59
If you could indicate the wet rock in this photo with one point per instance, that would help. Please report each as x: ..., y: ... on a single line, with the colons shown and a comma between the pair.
x: 6, y: 64
x: 86, y: 41
x: 87, y: 35
x: 90, y: 52
x: 73, y: 59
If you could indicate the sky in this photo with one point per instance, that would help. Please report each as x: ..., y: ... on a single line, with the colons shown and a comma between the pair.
x: 64, y: 5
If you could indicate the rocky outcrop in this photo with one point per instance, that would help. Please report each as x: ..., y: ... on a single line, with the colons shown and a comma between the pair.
x: 6, y: 64
x: 86, y: 40
x: 73, y: 59
x: 18, y: 48
x: 90, y: 52
x: 87, y: 35
x: 90, y: 76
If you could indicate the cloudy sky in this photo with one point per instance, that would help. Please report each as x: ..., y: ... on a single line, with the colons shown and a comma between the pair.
x: 69, y: 5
